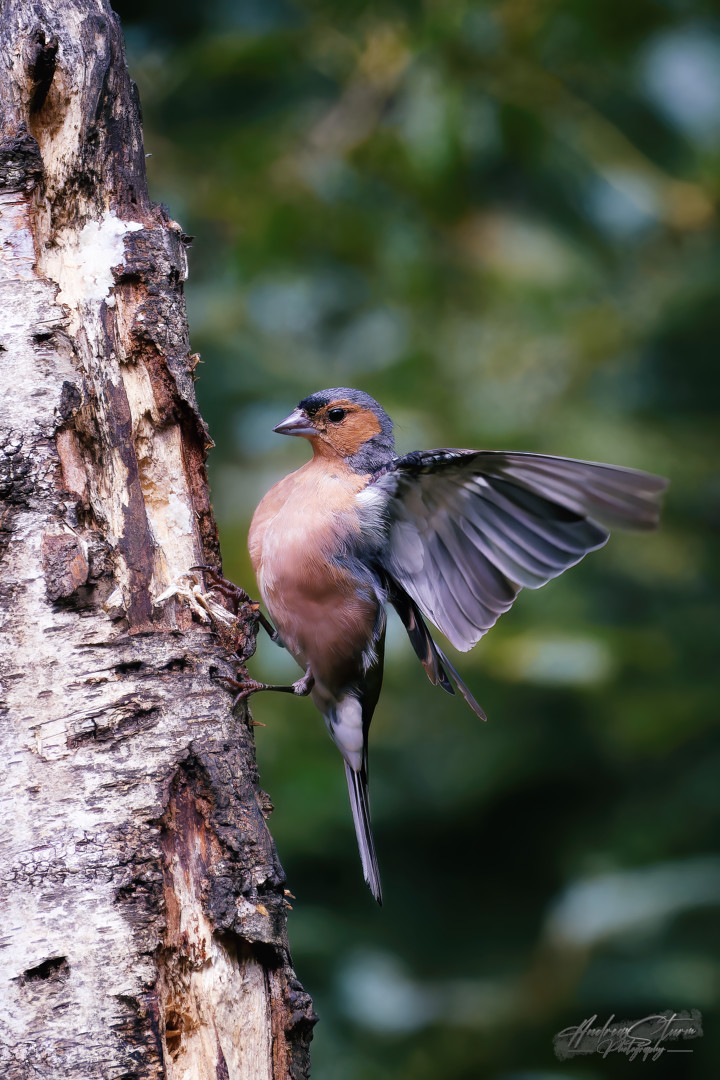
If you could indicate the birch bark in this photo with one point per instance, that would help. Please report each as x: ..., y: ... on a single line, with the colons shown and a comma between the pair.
x: 142, y: 921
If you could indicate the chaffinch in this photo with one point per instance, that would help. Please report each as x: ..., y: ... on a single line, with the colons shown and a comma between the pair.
x: 451, y: 535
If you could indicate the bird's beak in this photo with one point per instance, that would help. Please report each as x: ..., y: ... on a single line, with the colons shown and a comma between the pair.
x: 297, y: 423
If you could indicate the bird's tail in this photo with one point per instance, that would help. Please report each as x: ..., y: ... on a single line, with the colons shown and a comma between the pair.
x: 358, y: 790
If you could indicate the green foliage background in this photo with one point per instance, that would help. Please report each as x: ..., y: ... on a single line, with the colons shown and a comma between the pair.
x: 500, y: 219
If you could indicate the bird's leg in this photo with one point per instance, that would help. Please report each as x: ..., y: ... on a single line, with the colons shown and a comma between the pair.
x: 247, y: 686
x: 247, y: 614
x: 238, y: 599
x: 270, y: 629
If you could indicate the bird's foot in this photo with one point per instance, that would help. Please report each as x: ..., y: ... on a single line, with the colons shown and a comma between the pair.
x: 236, y: 617
x: 188, y: 587
x: 227, y: 589
x: 246, y: 686
x: 240, y: 603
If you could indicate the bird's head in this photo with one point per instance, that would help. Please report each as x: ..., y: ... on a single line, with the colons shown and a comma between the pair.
x: 344, y: 423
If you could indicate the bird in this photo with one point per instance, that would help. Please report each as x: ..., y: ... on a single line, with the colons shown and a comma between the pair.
x: 449, y: 536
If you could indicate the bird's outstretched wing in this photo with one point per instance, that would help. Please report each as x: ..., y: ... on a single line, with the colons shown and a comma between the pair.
x: 467, y: 529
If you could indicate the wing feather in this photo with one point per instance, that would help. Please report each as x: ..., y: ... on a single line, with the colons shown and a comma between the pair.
x: 438, y: 668
x: 468, y: 529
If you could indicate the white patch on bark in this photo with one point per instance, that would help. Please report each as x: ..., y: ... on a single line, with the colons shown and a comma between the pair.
x: 163, y: 480
x: 82, y: 263
x: 15, y: 236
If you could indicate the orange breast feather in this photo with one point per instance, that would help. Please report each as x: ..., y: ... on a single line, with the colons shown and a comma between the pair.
x: 300, y: 525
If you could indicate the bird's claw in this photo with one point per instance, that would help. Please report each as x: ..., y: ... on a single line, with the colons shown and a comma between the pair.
x: 246, y: 611
x: 250, y: 687
x: 237, y: 596
x: 188, y: 587
x: 243, y: 688
x: 235, y: 618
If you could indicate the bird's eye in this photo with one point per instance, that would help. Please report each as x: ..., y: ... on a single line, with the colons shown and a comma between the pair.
x: 336, y: 415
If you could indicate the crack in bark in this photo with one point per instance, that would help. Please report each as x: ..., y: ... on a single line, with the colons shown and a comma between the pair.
x: 42, y: 69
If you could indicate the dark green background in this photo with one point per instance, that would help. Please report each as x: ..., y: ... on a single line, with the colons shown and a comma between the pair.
x: 499, y: 219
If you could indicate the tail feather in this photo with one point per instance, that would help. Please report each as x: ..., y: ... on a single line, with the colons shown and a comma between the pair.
x: 358, y: 791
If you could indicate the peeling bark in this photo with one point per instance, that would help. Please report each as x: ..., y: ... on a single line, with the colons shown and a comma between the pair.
x: 142, y: 910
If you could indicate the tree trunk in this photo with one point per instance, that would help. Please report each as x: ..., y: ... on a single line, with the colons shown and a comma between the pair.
x: 142, y: 906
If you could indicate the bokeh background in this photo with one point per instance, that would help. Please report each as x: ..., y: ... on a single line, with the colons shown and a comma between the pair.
x: 500, y: 219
